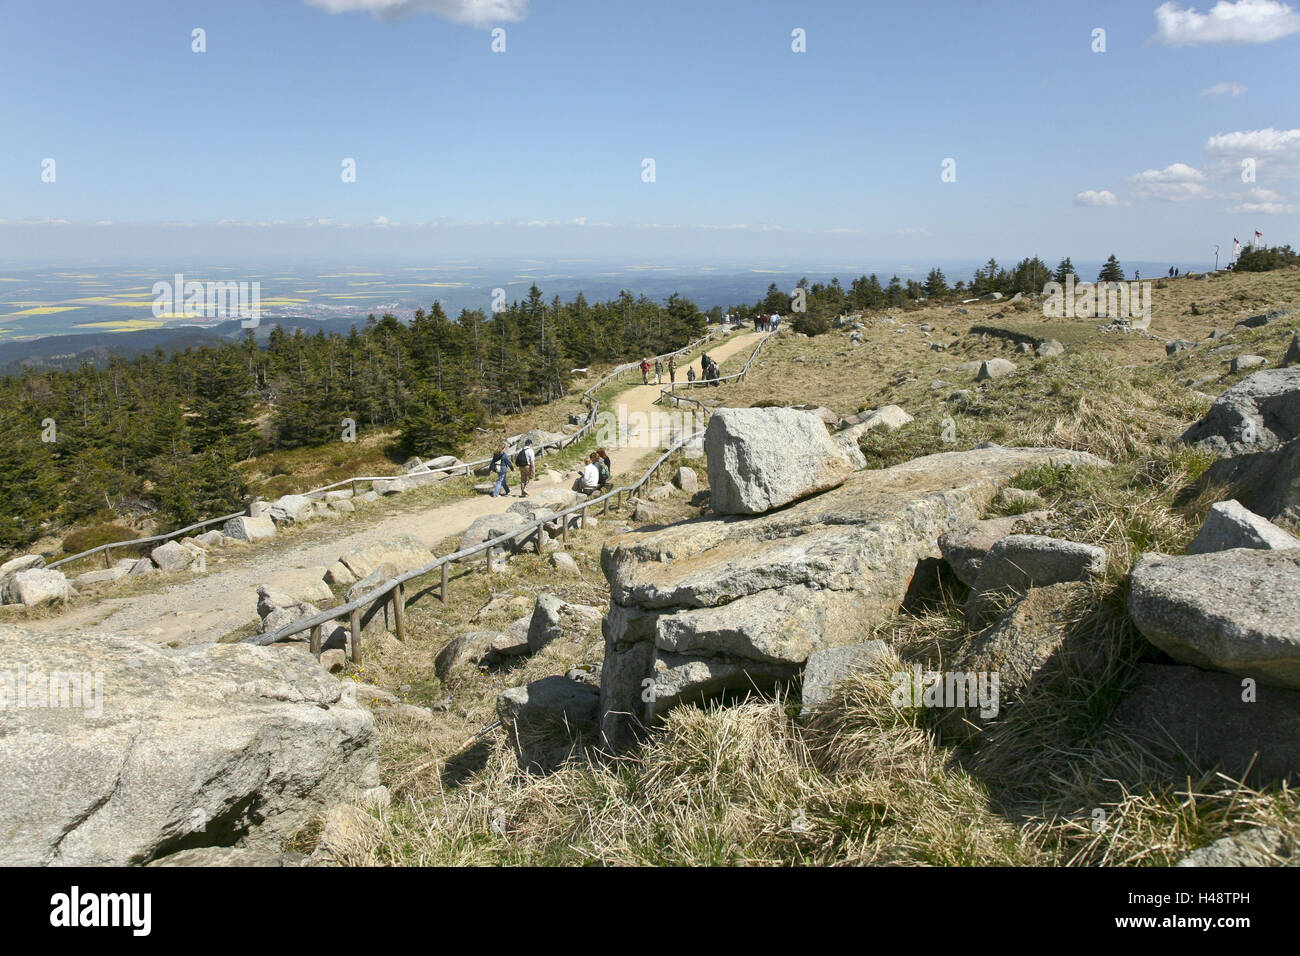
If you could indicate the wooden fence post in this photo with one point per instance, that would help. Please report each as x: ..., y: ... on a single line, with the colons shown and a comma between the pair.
x: 354, y: 626
x: 399, y: 610
x: 445, y: 582
x: 315, y: 642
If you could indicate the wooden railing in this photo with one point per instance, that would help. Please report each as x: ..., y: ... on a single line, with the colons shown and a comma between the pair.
x: 393, y: 592
x: 465, y: 467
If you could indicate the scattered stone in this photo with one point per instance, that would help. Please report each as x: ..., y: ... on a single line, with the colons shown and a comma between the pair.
x: 211, y: 539
x: 763, y: 458
x: 994, y: 368
x: 1179, y: 345
x: 1292, y: 356
x: 687, y: 480
x: 404, y: 552
x: 291, y: 509
x: 36, y: 587
x: 1259, y: 321
x: 382, y: 574
x: 1019, y: 562
x: 1050, y: 349
x: 278, y: 610
x: 543, y: 712
x: 338, y: 575
x: 142, y: 567
x: 646, y: 513
x: 1236, y: 611
x: 334, y: 660
x: 343, y: 506
x: 1243, y: 362
x: 826, y: 668
x: 172, y: 557
x: 105, y: 576
x: 553, y: 619
x: 249, y: 528
x: 1229, y: 526
x: 392, y: 486
x: 564, y: 563
x: 478, y: 648
x: 966, y: 548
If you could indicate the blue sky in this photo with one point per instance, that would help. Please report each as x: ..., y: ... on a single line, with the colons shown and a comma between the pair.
x: 760, y: 152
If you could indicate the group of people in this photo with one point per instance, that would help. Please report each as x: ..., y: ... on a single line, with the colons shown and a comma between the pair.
x: 766, y: 323
x: 659, y: 370
x: 596, y: 470
x: 709, y: 370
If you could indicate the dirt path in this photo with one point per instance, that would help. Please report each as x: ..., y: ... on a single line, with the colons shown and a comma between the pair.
x: 206, y: 607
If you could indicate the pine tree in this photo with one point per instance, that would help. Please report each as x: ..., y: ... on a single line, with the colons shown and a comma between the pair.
x: 1112, y: 271
x: 1064, y: 270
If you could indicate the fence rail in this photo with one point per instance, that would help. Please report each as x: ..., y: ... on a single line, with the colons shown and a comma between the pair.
x: 465, y: 467
x: 393, y: 591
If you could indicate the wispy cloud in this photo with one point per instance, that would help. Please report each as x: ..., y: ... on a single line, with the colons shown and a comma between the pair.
x: 1276, y: 151
x: 476, y: 13
x: 1225, y: 89
x: 1246, y: 21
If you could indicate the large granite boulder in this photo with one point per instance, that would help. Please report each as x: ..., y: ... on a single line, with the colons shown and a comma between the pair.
x: 1256, y: 414
x: 247, y: 529
x: 763, y: 458
x: 1237, y: 611
x: 965, y: 548
x: 159, y: 750
x: 737, y: 602
x: 1019, y: 562
x: 35, y: 587
x: 553, y: 619
x: 403, y: 552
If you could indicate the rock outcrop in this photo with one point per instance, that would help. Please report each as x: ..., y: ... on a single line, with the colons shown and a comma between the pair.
x: 724, y: 603
x: 1237, y: 611
x: 156, y: 750
x: 1229, y: 526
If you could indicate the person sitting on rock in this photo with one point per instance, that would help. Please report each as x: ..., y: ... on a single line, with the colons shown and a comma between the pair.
x: 588, y: 482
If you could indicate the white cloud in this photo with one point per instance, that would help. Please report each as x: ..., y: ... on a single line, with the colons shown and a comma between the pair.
x: 476, y: 13
x: 1097, y: 197
x: 1246, y: 21
x: 1225, y: 89
x: 1265, y: 208
x: 1176, y: 183
x: 1275, y: 151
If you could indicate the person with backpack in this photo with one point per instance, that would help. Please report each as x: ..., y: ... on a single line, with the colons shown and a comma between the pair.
x: 645, y: 371
x: 527, y: 462
x: 704, y: 365
x: 659, y: 372
x: 714, y: 372
x: 501, y: 465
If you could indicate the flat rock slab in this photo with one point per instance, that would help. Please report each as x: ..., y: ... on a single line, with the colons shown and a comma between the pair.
x: 166, y: 742
x: 763, y: 593
x: 1258, y: 413
x: 1229, y: 525
x: 1237, y: 611
x: 1267, y: 482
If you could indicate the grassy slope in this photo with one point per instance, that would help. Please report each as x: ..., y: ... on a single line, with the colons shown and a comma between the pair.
x: 867, y: 782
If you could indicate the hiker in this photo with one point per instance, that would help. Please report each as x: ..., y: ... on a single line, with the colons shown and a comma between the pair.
x: 704, y: 365
x: 659, y: 372
x: 605, y: 467
x: 672, y: 370
x: 690, y: 373
x: 776, y: 320
x: 1171, y: 272
x: 589, y: 481
x: 501, y: 465
x: 1137, y: 275
x: 714, y: 372
x: 527, y: 462
x: 645, y: 371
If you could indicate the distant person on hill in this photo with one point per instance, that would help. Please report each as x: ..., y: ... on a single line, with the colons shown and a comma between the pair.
x: 527, y: 462
x: 1177, y: 273
x: 659, y: 372
x: 714, y: 371
x: 672, y: 370
x: 501, y: 465
x: 1171, y: 272
x: 704, y: 365
x: 1137, y: 275
x: 645, y: 371
x: 690, y: 373
x: 776, y: 320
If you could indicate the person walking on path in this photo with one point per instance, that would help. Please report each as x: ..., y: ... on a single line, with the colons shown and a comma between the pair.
x: 659, y: 372
x: 672, y: 370
x: 527, y: 462
x: 690, y: 373
x: 704, y: 365
x: 501, y: 465
x: 645, y: 371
